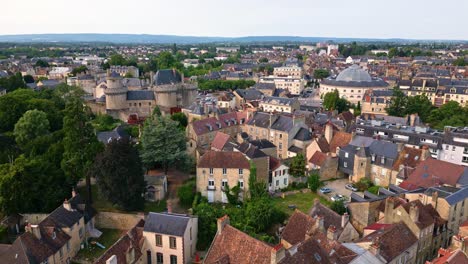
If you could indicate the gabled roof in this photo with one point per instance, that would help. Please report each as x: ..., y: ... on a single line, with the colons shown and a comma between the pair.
x: 330, y: 217
x: 450, y: 257
x: 340, y: 139
x: 235, y: 246
x: 299, y: 224
x: 249, y: 94
x: 166, y: 77
x: 167, y: 223
x: 220, y: 140
x: 392, y: 241
x: 133, y: 239
x: 218, y: 159
x: 408, y: 157
x: 427, y: 216
x: 251, y: 151
x: 432, y: 172
x: 318, y: 158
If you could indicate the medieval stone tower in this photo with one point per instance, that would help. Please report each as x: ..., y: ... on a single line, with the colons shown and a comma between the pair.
x: 116, y: 92
x: 362, y: 164
x: 171, y: 91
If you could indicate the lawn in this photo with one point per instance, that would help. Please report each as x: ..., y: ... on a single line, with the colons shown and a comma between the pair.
x: 101, y: 204
x: 302, y: 201
x: 92, y: 252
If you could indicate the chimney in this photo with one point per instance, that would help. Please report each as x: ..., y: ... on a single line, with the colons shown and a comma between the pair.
x: 425, y: 153
x: 400, y: 147
x: 35, y: 231
x: 169, y: 207
x: 389, y: 206
x: 331, y: 233
x: 73, y: 192
x: 344, y: 219
x: 353, y: 134
x: 328, y: 132
x: 67, y: 205
x: 375, y: 247
x: 222, y: 222
x: 435, y: 196
x: 319, y: 223
x: 414, y: 212
x: 277, y: 254
x: 413, y: 119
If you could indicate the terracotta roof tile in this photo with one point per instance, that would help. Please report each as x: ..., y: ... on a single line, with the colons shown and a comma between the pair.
x: 340, y: 139
x: 393, y: 241
x: 432, y: 172
x: 220, y: 139
x: 223, y: 159
x: 450, y: 257
x: 238, y: 247
x: 409, y: 157
x: 318, y: 158
x: 299, y: 224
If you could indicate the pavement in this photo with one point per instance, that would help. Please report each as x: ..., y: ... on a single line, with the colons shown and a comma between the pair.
x: 338, y: 187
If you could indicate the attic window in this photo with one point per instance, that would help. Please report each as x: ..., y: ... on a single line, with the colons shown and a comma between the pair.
x: 317, y: 257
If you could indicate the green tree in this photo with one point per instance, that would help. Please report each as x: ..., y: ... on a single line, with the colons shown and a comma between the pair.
x: 186, y: 193
x: 263, y: 60
x: 31, y: 125
x: 314, y: 181
x: 129, y: 75
x: 12, y: 107
x: 207, y: 216
x: 330, y: 99
x: 181, y: 118
x: 297, y: 167
x: 117, y: 59
x: 321, y: 74
x: 420, y: 105
x: 42, y: 63
x: 28, y: 78
x: 257, y: 188
x: 461, y: 62
x: 357, y: 109
x: 80, y: 142
x: 119, y: 175
x: 166, y: 60
x: 449, y: 114
x: 78, y: 70
x: 398, y: 103
x: 163, y: 143
x: 13, y: 82
x: 338, y: 207
x: 259, y: 214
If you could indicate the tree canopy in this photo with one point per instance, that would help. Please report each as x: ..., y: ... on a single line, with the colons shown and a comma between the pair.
x: 163, y: 143
x: 32, y: 124
x: 321, y: 74
x: 333, y: 101
x: 119, y: 174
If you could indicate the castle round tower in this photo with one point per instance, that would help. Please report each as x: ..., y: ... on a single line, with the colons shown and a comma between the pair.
x: 116, y: 92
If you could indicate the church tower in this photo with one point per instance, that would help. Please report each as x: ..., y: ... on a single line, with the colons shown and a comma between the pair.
x: 116, y: 92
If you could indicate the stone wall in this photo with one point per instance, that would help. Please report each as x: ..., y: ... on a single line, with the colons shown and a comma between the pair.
x: 117, y: 220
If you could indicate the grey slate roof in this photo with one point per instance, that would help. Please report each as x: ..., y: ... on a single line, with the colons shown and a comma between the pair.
x: 140, y: 95
x: 250, y: 94
x: 106, y: 136
x: 251, y: 151
x: 262, y: 143
x: 303, y: 134
x: 279, y: 100
x: 167, y: 224
x: 164, y: 77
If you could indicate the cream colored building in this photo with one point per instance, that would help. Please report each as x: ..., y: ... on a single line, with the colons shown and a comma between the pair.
x: 218, y: 169
x: 294, y: 84
x: 352, y: 83
x: 279, y: 104
x: 170, y: 238
x: 285, y: 71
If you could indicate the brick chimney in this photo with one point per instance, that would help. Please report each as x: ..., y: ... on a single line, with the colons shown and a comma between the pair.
x: 319, y: 223
x: 435, y: 198
x: 277, y: 254
x: 389, y: 206
x: 414, y: 212
x: 222, y: 222
x: 331, y: 233
x: 425, y: 153
x: 33, y: 229
x: 67, y: 205
x: 375, y: 247
x: 344, y: 219
x: 328, y: 132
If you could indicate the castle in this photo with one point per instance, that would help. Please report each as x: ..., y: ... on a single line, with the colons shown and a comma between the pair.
x: 167, y: 90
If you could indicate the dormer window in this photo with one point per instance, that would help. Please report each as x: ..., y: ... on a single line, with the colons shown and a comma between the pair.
x: 54, y: 235
x: 382, y: 160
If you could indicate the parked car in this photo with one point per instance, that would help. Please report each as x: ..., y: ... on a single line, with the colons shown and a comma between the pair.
x: 325, y: 190
x: 351, y: 187
x: 338, y: 197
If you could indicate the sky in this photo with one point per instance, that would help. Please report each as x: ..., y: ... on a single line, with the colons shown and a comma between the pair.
x: 412, y: 19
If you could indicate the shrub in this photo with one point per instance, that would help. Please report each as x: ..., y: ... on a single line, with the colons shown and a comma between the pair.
x: 338, y: 207
x: 186, y: 193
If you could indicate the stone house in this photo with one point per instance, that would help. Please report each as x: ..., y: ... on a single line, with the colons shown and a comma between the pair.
x: 279, y: 175
x: 343, y: 230
x: 56, y: 239
x: 279, y: 104
x: 325, y: 164
x: 170, y: 238
x: 214, y: 173
x: 156, y: 187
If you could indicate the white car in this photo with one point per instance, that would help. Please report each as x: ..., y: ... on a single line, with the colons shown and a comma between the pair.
x: 338, y: 197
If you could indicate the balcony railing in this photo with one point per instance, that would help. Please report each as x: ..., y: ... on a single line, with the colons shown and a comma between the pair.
x: 211, y: 188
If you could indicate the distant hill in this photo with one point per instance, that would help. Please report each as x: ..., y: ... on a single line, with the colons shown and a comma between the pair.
x: 165, y: 39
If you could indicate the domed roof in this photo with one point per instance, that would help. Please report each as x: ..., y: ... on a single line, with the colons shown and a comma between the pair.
x: 354, y: 74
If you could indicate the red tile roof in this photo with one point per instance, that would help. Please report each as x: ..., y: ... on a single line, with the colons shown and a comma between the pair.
x: 410, y: 157
x: 299, y: 224
x: 450, y: 257
x: 432, y: 172
x: 318, y: 158
x: 220, y: 139
x: 377, y: 226
x: 223, y: 159
x: 340, y: 139
x: 274, y: 163
x: 234, y: 246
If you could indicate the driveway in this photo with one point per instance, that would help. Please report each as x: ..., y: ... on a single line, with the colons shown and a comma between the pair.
x: 338, y: 187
